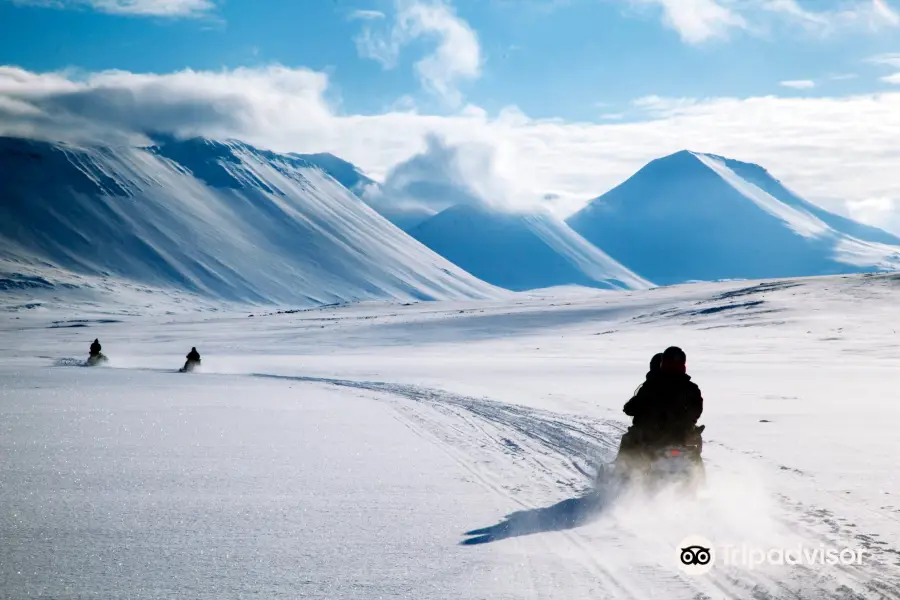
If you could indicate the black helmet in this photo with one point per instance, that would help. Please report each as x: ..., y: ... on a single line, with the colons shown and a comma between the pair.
x: 656, y: 362
x: 675, y: 355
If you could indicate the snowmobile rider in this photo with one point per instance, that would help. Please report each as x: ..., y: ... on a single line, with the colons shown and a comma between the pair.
x: 193, y: 355
x: 630, y: 438
x: 666, y: 407
x: 655, y: 368
x: 95, y: 348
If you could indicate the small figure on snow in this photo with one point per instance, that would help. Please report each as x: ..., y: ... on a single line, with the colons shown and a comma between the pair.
x: 193, y: 360
x: 95, y: 357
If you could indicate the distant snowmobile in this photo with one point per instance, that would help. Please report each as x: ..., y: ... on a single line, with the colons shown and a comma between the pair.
x: 189, y: 366
x: 96, y: 357
x: 193, y: 361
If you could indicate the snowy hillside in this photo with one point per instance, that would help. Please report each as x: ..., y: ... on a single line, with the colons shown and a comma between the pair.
x: 220, y: 220
x: 520, y: 251
x: 693, y: 216
x: 347, y: 174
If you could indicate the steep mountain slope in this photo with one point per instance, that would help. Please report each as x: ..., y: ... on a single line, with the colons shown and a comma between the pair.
x: 520, y: 251
x: 397, y: 210
x: 693, y: 216
x: 223, y: 220
x: 346, y: 173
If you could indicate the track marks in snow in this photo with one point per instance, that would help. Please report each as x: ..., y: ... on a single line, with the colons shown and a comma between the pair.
x: 553, y: 444
x: 522, y: 454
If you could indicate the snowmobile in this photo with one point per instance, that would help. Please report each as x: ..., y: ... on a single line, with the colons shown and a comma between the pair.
x: 189, y: 366
x: 96, y: 359
x: 669, y: 465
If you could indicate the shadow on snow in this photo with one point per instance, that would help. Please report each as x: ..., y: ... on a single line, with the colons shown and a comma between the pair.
x: 567, y: 514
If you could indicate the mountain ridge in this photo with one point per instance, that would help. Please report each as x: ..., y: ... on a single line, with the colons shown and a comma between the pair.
x: 521, y: 251
x: 701, y: 217
x: 220, y: 219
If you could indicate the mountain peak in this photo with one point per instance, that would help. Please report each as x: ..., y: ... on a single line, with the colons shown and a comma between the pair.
x: 693, y: 216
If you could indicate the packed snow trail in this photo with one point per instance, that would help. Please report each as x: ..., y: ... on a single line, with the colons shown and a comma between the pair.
x: 522, y: 453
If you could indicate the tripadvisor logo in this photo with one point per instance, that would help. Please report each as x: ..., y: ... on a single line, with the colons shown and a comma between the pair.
x: 696, y: 555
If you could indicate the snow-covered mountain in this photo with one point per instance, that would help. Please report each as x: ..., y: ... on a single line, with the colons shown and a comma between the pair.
x: 346, y: 173
x: 222, y: 220
x: 397, y: 210
x: 692, y: 216
x: 521, y: 251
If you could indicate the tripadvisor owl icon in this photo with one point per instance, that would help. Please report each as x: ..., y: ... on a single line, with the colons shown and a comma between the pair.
x: 695, y: 555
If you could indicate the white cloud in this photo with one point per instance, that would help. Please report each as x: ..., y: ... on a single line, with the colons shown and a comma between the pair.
x: 445, y: 174
x: 870, y: 15
x: 698, y: 21
x: 881, y: 11
x: 891, y: 60
x: 883, y: 211
x: 367, y: 15
x: 457, y: 56
x: 143, y: 8
x: 799, y: 84
x: 843, y: 76
x: 833, y: 151
x: 118, y: 103
x: 663, y: 107
x: 888, y: 60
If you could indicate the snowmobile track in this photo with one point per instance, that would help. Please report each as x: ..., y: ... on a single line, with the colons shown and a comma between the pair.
x: 545, y: 448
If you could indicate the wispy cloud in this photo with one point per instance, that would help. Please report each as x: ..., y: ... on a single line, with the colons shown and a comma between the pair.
x: 366, y: 15
x: 139, y: 8
x: 663, y: 107
x: 799, y: 84
x: 843, y: 76
x: 858, y: 14
x: 891, y: 60
x: 457, y: 55
x: 698, y: 21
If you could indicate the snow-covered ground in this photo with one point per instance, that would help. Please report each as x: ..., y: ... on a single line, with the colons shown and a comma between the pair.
x: 443, y: 450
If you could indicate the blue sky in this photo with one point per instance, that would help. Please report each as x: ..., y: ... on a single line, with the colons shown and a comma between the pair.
x: 520, y: 100
x: 572, y: 59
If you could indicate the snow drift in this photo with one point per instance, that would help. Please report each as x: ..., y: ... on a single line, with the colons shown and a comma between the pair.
x: 521, y: 251
x: 693, y: 216
x: 221, y: 220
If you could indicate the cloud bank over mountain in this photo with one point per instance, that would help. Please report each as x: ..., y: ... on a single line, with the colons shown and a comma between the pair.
x: 840, y: 151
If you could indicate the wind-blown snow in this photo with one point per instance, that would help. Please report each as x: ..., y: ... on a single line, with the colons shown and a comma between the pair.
x: 220, y: 220
x: 521, y: 251
x: 692, y: 216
